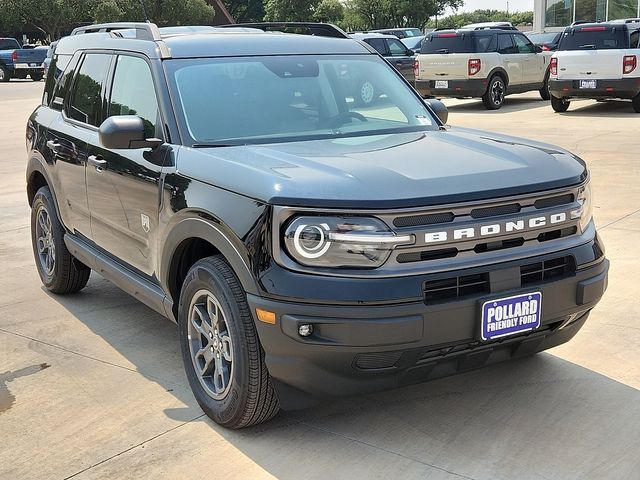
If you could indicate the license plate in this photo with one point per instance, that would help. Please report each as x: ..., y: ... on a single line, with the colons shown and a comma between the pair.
x: 588, y: 83
x: 511, y: 315
x: 442, y: 83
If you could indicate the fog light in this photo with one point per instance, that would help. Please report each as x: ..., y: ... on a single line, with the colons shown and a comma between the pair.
x: 305, y: 330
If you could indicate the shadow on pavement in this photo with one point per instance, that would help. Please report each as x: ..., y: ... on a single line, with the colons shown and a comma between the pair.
x: 540, y: 417
x: 511, y: 104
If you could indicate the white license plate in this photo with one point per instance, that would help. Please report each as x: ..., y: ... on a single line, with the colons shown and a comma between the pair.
x: 442, y: 83
x: 588, y: 83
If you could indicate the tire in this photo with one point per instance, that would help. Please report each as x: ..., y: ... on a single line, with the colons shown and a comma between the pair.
x: 238, y: 393
x: 559, y: 104
x: 5, y: 76
x: 366, y: 94
x: 493, y: 98
x: 545, y: 94
x: 59, y: 271
x: 636, y: 103
x: 36, y: 77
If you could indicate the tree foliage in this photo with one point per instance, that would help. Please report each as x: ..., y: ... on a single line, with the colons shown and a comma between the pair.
x: 330, y: 11
x: 245, y: 10
x: 477, y: 16
x: 289, y: 10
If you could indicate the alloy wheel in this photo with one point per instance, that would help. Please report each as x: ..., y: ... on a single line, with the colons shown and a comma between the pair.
x: 497, y: 92
x: 210, y: 344
x: 366, y: 92
x: 45, y: 243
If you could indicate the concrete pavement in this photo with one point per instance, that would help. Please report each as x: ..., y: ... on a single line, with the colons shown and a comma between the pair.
x: 92, y: 385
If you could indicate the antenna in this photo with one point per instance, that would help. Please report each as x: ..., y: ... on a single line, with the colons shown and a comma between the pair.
x: 144, y: 11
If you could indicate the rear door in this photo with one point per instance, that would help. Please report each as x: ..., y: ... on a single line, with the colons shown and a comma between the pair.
x: 123, y: 185
x: 592, y: 52
x: 533, y: 64
x: 400, y: 58
x: 511, y: 58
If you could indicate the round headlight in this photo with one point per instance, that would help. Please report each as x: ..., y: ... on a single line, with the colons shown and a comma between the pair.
x: 311, y: 241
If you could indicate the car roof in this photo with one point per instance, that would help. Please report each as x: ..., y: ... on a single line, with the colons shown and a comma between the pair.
x: 612, y: 24
x: 464, y: 31
x: 180, y: 42
x: 364, y: 35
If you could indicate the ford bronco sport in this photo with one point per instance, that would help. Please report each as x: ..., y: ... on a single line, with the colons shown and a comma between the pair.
x: 597, y: 61
x: 486, y: 63
x: 305, y: 246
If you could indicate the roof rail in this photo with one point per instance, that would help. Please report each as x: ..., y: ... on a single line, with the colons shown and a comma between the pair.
x: 144, y: 30
x: 305, y: 28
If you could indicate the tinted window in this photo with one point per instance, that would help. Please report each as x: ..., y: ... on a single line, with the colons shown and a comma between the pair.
x: 253, y: 100
x: 8, y: 44
x: 132, y: 92
x: 601, y: 38
x: 378, y: 44
x: 413, y: 42
x: 397, y: 48
x: 635, y: 40
x: 523, y: 45
x: 86, y: 99
x: 505, y: 44
x: 458, y: 43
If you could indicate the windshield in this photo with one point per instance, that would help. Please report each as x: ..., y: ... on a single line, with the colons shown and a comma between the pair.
x: 8, y: 44
x: 249, y: 100
x: 601, y: 38
x: 458, y: 43
x: 540, y: 38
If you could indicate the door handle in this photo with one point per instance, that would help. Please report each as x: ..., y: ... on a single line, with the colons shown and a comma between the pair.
x: 97, y: 161
x: 53, y: 145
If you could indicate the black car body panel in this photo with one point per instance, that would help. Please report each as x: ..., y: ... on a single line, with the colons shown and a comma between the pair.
x: 143, y: 214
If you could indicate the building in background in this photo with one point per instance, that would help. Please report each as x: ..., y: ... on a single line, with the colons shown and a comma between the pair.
x: 555, y: 14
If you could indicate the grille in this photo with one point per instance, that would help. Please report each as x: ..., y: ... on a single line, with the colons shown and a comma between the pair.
x: 495, y: 211
x: 554, y: 201
x: 547, y: 270
x: 427, y: 219
x: 371, y: 361
x: 455, y: 287
x: 427, y: 255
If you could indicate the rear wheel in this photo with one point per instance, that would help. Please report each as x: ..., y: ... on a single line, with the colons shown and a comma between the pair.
x: 559, y: 104
x: 36, y: 77
x: 59, y: 271
x: 636, y: 103
x: 493, y: 98
x: 222, y: 355
x: 544, y: 91
x: 366, y: 93
x: 4, y: 74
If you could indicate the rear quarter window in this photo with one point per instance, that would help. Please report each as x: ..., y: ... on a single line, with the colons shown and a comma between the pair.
x: 595, y: 38
x: 458, y: 43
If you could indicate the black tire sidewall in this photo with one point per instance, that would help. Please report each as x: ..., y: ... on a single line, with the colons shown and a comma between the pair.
x: 228, y: 409
x: 488, y: 100
x: 7, y: 76
x: 43, y: 197
x: 559, y: 105
x: 545, y: 94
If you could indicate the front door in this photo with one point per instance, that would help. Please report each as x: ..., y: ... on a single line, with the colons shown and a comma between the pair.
x: 400, y: 58
x: 122, y: 185
x: 532, y: 63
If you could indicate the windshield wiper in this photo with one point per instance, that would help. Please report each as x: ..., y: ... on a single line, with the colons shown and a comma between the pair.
x: 589, y: 46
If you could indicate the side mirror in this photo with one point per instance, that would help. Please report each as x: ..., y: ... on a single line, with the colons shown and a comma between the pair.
x: 125, y: 131
x: 538, y: 49
x: 410, y: 53
x: 438, y: 108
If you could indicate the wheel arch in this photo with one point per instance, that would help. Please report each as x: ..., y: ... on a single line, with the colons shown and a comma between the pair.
x: 37, y: 177
x: 193, y: 239
x: 498, y: 71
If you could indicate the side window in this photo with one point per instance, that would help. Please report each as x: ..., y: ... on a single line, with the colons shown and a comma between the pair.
x: 505, y: 44
x: 523, y: 45
x: 635, y: 39
x: 61, y: 71
x: 133, y: 93
x: 397, y: 48
x: 378, y: 44
x: 86, y: 97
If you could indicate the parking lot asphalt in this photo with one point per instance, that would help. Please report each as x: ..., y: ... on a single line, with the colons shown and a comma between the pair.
x: 92, y: 384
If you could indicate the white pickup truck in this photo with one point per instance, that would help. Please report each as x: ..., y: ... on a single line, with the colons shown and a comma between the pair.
x: 597, y: 61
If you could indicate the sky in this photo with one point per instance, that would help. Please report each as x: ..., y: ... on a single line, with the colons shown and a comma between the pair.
x: 514, y: 5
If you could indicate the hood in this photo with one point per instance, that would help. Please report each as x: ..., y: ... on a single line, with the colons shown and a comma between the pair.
x: 385, y: 171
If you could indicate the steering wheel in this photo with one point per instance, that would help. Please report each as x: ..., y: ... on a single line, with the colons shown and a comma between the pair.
x: 341, y: 118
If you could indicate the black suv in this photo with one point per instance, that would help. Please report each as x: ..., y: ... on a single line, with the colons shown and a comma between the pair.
x: 306, y: 245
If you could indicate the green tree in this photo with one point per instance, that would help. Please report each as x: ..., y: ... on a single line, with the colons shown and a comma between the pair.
x: 245, y: 10
x: 162, y: 12
x: 477, y: 16
x: 289, y: 10
x: 396, y: 13
x: 331, y: 11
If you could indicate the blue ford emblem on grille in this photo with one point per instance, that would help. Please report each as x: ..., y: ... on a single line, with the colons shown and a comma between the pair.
x: 511, y: 315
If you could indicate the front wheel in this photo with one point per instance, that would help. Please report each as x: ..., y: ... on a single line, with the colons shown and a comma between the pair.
x: 493, y: 98
x: 59, y: 271
x: 36, y: 77
x: 559, y: 104
x: 222, y: 355
x: 545, y: 94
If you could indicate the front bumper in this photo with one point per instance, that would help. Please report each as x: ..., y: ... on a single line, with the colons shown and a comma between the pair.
x: 625, y: 88
x: 457, y: 88
x: 359, y: 349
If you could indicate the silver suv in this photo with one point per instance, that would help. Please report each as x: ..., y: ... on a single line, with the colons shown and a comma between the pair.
x: 487, y: 63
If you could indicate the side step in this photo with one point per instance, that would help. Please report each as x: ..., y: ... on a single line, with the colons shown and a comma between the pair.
x: 130, y: 282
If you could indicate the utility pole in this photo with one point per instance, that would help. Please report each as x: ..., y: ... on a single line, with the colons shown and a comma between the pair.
x: 507, y: 7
